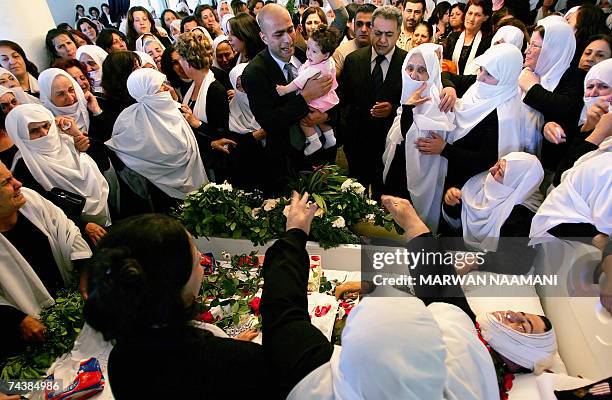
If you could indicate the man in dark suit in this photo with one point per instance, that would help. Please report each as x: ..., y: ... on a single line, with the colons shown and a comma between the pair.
x: 280, y: 116
x: 371, y: 87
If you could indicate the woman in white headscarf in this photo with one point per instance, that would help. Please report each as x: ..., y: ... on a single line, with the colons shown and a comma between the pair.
x: 146, y: 61
x: 406, y: 170
x: 509, y: 34
x: 497, y: 204
x: 597, y: 100
x: 150, y: 44
x: 581, y: 205
x: 8, y: 101
x: 93, y: 57
x: 153, y: 139
x: 223, y: 53
x: 48, y: 159
x: 223, y: 8
x: 552, y: 89
x: 9, y: 81
x: 225, y: 23
x: 486, y: 117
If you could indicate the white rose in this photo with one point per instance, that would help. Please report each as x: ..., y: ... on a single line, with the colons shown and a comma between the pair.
x: 226, y: 186
x: 209, y: 185
x: 286, y: 210
x: 371, y: 202
x: 255, y: 212
x: 370, y: 217
x: 269, y: 204
x: 339, y: 223
x: 346, y: 185
x: 358, y: 188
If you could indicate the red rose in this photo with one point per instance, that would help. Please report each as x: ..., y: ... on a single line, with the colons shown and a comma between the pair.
x: 321, y: 311
x: 206, y: 317
x: 348, y: 310
x: 254, y: 304
x: 205, y: 260
x: 344, y: 304
x: 315, y: 258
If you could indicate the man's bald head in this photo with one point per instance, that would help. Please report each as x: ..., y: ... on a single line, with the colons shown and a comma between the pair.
x: 271, y: 12
x: 277, y: 31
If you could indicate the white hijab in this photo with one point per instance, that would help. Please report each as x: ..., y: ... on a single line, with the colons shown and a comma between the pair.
x: 205, y: 32
x: 141, y: 42
x: 218, y: 40
x: 241, y: 119
x: 199, y: 110
x: 486, y: 203
x: 557, y: 51
x: 424, y: 174
x: 509, y: 34
x: 219, y: 8
x: 78, y: 110
x: 146, y: 59
x: 225, y: 23
x: 534, y: 351
x: 504, y: 62
x: 470, y: 68
x: 20, y: 287
x: 583, y: 196
x: 21, y: 96
x: 404, y: 350
x: 152, y: 137
x: 98, y: 55
x: 54, y: 162
x: 601, y: 71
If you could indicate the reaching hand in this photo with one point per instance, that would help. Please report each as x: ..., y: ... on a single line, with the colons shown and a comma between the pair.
x: 431, y: 146
x: 223, y: 145
x: 94, y: 231
x: 92, y: 103
x: 247, y: 336
x: 448, y: 98
x: 381, y: 109
x: 416, y: 99
x: 301, y: 212
x: 405, y: 215
x: 316, y: 88
x: 452, y: 196
x: 32, y: 330
x: 189, y: 117
x: 554, y: 133
x: 81, y: 143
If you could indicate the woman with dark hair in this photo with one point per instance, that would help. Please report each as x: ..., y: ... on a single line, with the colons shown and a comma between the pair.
x: 244, y: 37
x: 105, y: 17
x: 139, y: 22
x: 598, y: 49
x: 590, y: 20
x: 439, y: 20
x: 311, y: 19
x: 463, y: 47
x: 423, y: 33
x: 13, y: 58
x: 143, y: 297
x: 456, y: 18
x: 111, y: 39
x: 167, y: 16
x: 171, y: 67
x: 254, y: 6
x: 80, y: 12
x: 80, y: 39
x: 94, y: 13
x: 77, y: 70
x: 60, y: 44
x: 87, y: 26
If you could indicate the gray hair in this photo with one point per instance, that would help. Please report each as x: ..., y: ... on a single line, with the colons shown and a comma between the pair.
x: 388, y: 12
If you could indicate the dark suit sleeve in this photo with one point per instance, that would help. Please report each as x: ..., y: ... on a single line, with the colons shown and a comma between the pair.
x: 261, y: 92
x: 217, y: 107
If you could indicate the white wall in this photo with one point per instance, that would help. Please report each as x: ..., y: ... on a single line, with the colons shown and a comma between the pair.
x: 27, y: 26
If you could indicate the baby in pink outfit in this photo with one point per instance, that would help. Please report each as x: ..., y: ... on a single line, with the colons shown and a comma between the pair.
x: 321, y: 46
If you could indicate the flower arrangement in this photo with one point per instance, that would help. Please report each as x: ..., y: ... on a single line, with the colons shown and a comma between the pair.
x: 220, y: 210
x: 64, y: 321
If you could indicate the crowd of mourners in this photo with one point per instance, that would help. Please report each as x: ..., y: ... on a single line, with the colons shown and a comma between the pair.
x: 481, y: 121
